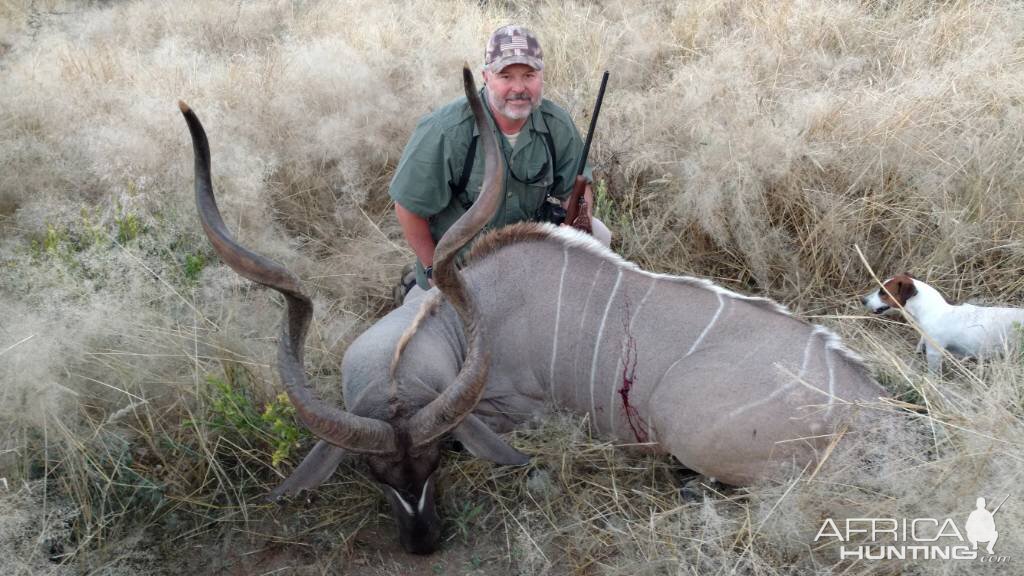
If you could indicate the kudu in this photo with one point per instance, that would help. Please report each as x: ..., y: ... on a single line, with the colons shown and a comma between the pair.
x: 732, y: 386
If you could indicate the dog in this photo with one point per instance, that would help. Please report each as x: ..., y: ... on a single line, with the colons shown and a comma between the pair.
x: 963, y: 330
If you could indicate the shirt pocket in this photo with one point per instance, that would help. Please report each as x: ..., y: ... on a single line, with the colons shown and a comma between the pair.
x: 532, y: 178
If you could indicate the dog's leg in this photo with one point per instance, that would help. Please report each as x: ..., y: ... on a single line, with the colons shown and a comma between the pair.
x: 934, y: 358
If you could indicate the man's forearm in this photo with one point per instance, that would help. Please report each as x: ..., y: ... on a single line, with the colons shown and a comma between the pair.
x: 416, y: 230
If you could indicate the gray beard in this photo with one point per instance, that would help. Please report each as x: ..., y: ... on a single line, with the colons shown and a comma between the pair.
x: 500, y: 107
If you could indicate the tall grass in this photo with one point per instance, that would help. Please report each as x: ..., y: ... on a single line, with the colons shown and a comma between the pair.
x: 755, y: 142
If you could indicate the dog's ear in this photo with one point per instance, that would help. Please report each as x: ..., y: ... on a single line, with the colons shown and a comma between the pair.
x: 909, y: 275
x: 905, y: 290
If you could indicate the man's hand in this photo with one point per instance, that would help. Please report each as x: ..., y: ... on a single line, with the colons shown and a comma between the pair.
x: 588, y: 197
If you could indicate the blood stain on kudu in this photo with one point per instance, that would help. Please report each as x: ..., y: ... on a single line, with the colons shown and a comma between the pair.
x: 629, y: 356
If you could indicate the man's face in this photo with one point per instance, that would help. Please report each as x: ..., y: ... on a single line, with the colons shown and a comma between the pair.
x: 515, y: 91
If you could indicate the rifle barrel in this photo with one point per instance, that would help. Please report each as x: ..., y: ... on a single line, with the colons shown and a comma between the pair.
x: 1000, y: 505
x: 593, y: 124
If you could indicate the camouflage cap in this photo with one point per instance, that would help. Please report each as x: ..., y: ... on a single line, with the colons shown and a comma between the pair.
x: 513, y: 45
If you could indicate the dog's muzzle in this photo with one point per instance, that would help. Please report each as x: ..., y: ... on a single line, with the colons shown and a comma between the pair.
x: 878, y: 307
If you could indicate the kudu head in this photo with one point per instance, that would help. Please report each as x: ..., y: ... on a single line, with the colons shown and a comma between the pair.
x: 403, y: 451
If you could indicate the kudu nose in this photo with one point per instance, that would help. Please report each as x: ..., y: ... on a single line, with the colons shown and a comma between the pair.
x: 422, y: 544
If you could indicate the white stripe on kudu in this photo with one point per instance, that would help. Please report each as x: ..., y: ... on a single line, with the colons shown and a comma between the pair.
x: 558, y: 317
x: 781, y: 389
x: 600, y: 336
x: 696, y: 343
x: 700, y: 338
x: 583, y: 321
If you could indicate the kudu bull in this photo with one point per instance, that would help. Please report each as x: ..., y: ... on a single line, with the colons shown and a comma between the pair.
x: 730, y: 385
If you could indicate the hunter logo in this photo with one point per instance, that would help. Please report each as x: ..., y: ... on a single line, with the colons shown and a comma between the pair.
x: 917, y: 538
x: 981, y: 526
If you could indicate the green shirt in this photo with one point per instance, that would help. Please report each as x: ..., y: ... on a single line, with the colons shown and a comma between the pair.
x: 431, y: 166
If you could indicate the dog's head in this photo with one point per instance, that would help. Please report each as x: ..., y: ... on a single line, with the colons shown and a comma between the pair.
x: 895, y: 293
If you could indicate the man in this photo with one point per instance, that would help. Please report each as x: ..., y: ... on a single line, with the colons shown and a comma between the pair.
x: 440, y: 172
x: 981, y: 527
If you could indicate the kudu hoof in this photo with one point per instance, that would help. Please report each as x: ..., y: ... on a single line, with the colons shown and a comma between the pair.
x: 698, y: 487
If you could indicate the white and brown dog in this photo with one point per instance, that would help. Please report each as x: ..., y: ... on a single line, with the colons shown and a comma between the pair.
x: 965, y: 330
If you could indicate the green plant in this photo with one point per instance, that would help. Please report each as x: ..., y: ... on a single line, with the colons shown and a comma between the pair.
x: 128, y: 227
x: 279, y: 417
x: 51, y: 244
x: 92, y: 234
x: 603, y: 205
x: 465, y: 518
x: 233, y: 409
x: 53, y: 240
x: 231, y: 406
x: 194, y: 264
x: 617, y: 211
x: 63, y: 242
x: 57, y: 242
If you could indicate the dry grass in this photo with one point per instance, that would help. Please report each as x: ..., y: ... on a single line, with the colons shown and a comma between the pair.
x: 754, y: 142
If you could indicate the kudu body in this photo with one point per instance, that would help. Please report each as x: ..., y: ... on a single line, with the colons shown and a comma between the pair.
x: 728, y: 384
x: 732, y: 386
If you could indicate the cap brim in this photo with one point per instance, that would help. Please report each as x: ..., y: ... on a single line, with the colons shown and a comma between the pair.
x: 502, y: 63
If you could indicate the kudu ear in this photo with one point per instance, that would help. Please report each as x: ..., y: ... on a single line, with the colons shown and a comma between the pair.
x: 483, y: 442
x: 316, y: 467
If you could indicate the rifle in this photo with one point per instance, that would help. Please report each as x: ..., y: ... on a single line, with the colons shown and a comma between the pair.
x: 576, y: 213
x: 1000, y: 505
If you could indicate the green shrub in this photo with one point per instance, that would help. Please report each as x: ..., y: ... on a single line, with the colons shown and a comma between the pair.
x: 272, y: 428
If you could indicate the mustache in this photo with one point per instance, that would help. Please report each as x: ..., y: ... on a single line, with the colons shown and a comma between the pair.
x: 520, y: 96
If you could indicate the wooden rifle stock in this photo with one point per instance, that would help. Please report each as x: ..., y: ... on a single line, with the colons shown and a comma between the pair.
x: 577, y: 213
